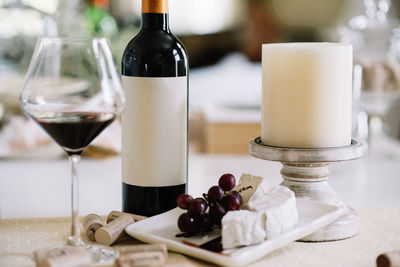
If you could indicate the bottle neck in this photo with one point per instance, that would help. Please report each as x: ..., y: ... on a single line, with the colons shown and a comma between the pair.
x: 155, y: 15
x: 155, y: 21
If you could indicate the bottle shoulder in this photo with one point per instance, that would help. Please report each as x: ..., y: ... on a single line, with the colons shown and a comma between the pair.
x: 155, y: 42
x: 153, y: 53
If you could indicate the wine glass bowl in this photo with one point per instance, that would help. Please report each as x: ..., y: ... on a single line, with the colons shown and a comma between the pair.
x: 73, y: 91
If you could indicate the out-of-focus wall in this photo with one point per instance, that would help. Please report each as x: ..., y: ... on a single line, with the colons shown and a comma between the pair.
x: 211, y: 29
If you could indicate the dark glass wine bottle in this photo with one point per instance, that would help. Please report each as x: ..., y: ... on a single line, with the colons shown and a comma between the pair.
x: 154, y: 123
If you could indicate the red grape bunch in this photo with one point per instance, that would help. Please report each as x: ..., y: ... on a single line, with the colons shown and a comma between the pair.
x: 204, y: 212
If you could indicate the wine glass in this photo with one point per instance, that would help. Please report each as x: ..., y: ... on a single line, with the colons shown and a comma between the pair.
x: 73, y: 91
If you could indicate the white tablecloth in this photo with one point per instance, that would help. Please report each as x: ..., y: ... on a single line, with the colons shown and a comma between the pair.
x: 41, y: 188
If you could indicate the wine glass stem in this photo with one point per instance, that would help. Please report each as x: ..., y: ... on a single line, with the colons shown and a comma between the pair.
x: 75, y: 236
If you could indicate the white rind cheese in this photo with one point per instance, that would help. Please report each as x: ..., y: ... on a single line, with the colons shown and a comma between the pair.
x: 270, y: 214
x: 279, y: 204
x: 259, y: 187
x: 243, y: 228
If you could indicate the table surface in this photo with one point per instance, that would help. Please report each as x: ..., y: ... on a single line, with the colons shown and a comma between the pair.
x: 32, y: 188
x: 378, y: 234
x: 41, y: 188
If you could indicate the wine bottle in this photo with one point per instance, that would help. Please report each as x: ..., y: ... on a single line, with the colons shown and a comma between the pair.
x: 154, y: 123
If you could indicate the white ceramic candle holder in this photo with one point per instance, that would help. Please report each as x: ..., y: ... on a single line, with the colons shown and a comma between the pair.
x: 305, y: 171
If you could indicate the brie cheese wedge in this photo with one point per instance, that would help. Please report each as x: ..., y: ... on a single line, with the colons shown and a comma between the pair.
x: 242, y: 228
x: 279, y: 205
x: 269, y: 214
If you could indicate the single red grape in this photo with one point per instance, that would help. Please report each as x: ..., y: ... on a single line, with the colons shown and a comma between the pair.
x: 231, y: 202
x: 204, y: 223
x: 227, y: 181
x: 197, y: 207
x: 237, y: 194
x: 217, y: 211
x: 183, y: 201
x: 215, y: 194
x: 186, y: 223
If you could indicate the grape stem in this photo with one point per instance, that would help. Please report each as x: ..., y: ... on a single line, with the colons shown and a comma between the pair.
x: 245, y: 188
x: 206, y: 198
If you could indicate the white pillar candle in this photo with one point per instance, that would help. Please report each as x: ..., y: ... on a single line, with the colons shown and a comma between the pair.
x: 306, y: 95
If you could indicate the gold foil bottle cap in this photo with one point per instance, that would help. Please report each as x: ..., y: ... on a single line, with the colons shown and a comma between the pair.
x: 154, y: 6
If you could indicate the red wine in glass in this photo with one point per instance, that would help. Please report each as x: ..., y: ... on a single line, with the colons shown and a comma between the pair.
x: 74, y: 131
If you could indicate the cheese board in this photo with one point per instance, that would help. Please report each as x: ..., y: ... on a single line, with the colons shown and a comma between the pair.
x: 163, y: 229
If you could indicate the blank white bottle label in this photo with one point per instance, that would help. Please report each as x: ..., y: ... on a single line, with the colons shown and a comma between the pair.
x: 154, y: 131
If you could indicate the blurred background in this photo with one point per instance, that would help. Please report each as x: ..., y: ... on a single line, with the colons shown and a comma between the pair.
x: 223, y: 39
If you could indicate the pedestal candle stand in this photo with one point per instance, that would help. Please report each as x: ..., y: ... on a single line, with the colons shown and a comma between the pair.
x: 305, y: 171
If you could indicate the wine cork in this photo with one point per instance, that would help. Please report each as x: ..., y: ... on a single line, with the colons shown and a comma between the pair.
x: 155, y: 258
x: 114, y: 230
x: 115, y: 214
x: 62, y: 257
x: 144, y: 249
x: 91, y: 223
x: 389, y: 259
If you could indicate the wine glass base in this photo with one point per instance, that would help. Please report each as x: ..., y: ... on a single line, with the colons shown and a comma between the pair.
x: 75, y: 242
x: 68, y: 255
x: 101, y: 254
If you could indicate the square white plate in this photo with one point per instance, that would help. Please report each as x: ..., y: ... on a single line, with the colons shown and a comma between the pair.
x: 163, y: 228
